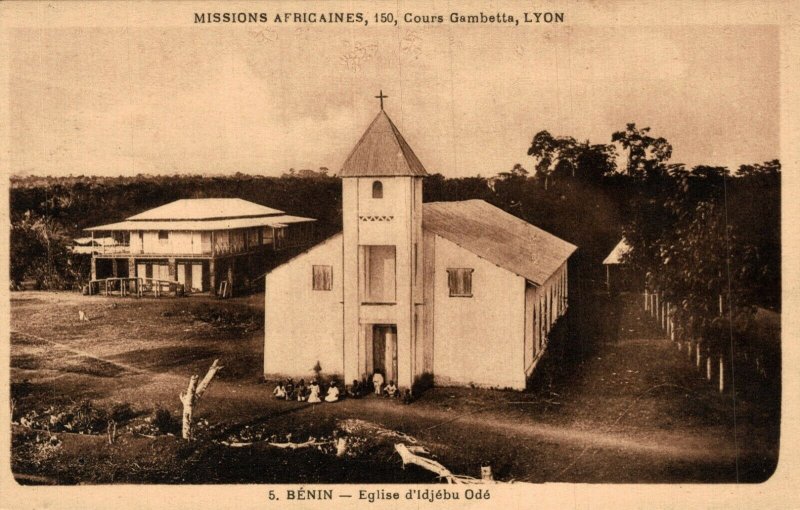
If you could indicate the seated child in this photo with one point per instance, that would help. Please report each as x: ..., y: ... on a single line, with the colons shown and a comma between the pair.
x: 313, y: 393
x: 377, y: 382
x: 289, y: 389
x: 407, y: 397
x: 301, y: 390
x: 280, y: 391
x: 333, y: 393
x: 391, y: 390
x: 355, y: 389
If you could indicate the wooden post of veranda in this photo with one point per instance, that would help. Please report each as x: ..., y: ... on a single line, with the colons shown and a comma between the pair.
x: 669, y: 320
x: 708, y: 367
x: 699, y: 355
x: 658, y: 308
x: 646, y: 297
x: 721, y: 375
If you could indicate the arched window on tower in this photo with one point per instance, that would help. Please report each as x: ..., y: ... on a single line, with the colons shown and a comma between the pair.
x: 377, y: 189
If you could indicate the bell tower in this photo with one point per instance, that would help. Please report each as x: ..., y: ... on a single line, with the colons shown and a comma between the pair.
x: 382, y: 255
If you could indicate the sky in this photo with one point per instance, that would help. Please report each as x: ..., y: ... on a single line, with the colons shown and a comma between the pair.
x: 468, y: 99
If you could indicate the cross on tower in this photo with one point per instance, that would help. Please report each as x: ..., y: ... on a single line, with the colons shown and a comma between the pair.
x: 381, y: 97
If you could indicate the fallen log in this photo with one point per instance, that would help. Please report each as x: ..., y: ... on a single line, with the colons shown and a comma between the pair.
x: 236, y: 444
x: 295, y: 446
x: 409, y: 457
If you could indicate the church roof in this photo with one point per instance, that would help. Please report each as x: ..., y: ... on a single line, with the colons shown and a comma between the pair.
x: 499, y: 237
x: 615, y: 257
x: 382, y: 151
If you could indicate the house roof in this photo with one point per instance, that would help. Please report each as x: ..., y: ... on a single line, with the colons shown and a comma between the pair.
x: 205, y: 214
x: 499, y: 237
x: 100, y: 241
x: 615, y: 257
x: 206, y: 209
x: 278, y: 221
x: 382, y: 151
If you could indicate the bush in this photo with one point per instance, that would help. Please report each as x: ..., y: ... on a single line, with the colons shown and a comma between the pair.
x: 87, y: 418
x: 165, y: 422
x: 422, y: 383
x: 122, y: 412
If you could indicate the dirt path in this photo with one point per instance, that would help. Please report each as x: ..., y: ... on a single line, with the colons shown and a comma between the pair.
x: 676, y: 445
x: 86, y: 354
x: 630, y: 409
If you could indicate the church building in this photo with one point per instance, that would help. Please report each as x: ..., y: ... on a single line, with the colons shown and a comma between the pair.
x: 460, y: 291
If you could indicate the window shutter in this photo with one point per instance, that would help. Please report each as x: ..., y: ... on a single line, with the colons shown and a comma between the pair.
x: 322, y: 277
x: 459, y: 281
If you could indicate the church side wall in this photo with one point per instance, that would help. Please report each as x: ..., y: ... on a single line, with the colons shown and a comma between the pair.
x: 425, y: 355
x: 302, y: 325
x: 480, y: 339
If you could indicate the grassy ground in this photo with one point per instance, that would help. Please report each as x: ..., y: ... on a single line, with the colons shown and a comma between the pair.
x: 617, y: 404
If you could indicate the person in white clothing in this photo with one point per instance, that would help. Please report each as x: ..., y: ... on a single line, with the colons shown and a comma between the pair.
x: 313, y: 393
x: 390, y: 390
x: 377, y: 381
x: 280, y: 391
x: 333, y: 393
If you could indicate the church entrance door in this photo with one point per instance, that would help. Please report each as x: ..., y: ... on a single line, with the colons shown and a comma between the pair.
x: 384, y: 350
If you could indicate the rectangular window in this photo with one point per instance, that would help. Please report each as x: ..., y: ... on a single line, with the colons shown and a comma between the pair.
x: 460, y: 282
x: 163, y: 235
x: 322, y: 278
x: 378, y: 272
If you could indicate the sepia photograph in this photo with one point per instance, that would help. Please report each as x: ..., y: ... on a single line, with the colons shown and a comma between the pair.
x: 319, y: 245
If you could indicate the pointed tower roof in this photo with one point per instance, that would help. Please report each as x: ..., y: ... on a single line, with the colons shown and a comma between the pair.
x: 382, y: 151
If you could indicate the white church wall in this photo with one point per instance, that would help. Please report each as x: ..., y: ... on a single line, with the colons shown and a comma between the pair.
x: 480, y: 339
x: 302, y: 325
x: 393, y: 220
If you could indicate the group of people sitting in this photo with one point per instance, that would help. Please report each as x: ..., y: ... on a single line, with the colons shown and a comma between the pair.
x: 305, y: 393
x: 312, y: 393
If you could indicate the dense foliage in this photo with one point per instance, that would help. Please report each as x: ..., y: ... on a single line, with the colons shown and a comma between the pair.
x: 696, y: 233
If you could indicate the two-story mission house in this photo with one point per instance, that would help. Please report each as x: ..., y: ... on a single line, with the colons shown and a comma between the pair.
x: 198, y: 243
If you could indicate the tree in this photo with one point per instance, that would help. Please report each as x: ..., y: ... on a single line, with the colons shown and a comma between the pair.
x: 595, y: 161
x: 645, y: 153
x: 563, y: 157
x: 39, y: 251
x: 551, y: 153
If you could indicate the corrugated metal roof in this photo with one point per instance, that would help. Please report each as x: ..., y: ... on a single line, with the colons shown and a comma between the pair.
x: 615, y: 257
x: 382, y: 151
x: 100, y: 241
x: 196, y: 225
x: 206, y: 209
x: 498, y: 237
